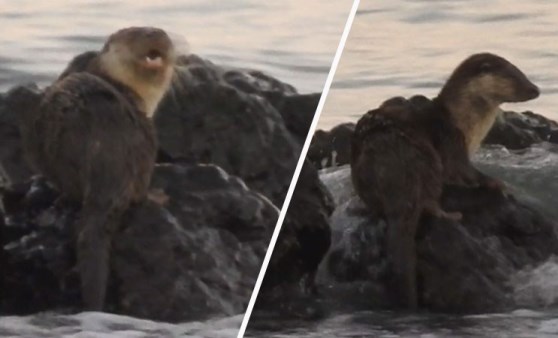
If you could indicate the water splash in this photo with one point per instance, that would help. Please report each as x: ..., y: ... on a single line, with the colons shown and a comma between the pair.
x: 537, y: 286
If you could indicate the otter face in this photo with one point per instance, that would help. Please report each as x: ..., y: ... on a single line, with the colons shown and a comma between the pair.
x: 143, y: 59
x: 493, y: 79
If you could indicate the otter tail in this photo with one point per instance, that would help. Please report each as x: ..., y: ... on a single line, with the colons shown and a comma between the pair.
x: 402, y: 257
x: 94, y: 233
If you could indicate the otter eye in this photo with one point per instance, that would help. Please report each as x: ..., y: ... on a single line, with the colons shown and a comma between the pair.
x: 153, y: 54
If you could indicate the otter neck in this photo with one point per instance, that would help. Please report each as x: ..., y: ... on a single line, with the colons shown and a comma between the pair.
x: 471, y: 113
x: 148, y: 95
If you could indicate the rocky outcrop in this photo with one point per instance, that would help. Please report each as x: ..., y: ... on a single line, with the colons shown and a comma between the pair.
x: 462, y: 266
x: 305, y: 235
x: 297, y: 111
x: 519, y: 131
x: 331, y: 148
x: 477, y: 256
x: 198, y: 256
x: 220, y: 116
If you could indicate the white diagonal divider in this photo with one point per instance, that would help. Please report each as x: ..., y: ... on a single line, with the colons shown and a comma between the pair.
x: 287, y: 201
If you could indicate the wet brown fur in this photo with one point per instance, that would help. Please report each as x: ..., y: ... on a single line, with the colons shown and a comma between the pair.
x: 404, y: 152
x: 91, y: 136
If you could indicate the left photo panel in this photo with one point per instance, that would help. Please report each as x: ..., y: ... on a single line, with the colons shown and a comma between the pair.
x: 145, y: 152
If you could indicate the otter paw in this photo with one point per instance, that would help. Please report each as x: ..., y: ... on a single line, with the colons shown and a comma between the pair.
x: 158, y: 196
x: 434, y: 209
x: 453, y: 216
x: 495, y: 184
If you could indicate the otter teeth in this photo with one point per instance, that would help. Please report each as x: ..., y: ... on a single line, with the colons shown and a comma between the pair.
x: 153, y: 62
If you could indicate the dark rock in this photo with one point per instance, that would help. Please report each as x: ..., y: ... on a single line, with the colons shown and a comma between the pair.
x: 462, y: 266
x: 497, y: 237
x: 197, y: 257
x: 207, y: 119
x: 305, y: 235
x: 24, y: 201
x: 331, y: 148
x: 37, y: 261
x: 297, y: 111
x: 519, y: 131
x: 255, y: 82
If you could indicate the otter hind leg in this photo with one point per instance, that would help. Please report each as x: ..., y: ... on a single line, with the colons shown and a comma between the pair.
x: 389, y: 172
x: 491, y: 183
x: 401, y: 255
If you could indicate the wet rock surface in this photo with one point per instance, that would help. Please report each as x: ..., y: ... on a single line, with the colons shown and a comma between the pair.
x: 497, y: 237
x: 203, y: 251
x: 521, y: 130
x: 462, y: 266
x: 305, y: 235
x: 196, y: 257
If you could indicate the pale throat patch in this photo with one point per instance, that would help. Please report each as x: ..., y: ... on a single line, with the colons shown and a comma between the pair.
x: 480, y: 130
x: 475, y: 122
x: 474, y: 125
x: 150, y: 93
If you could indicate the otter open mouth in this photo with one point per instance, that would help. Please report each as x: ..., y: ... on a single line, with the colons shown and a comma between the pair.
x: 153, y: 59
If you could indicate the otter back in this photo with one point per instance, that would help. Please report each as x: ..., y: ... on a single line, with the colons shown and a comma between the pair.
x: 87, y: 136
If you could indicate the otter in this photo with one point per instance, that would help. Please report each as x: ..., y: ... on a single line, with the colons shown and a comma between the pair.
x: 465, y: 110
x: 91, y: 135
x: 404, y: 153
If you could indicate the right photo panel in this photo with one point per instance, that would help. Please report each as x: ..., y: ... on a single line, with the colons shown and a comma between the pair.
x: 426, y: 205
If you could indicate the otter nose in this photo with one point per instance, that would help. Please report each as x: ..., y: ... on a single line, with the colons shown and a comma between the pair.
x: 533, y: 91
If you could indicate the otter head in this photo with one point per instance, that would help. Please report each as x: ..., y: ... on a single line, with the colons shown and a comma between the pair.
x: 475, y: 90
x: 491, y: 80
x: 142, y: 58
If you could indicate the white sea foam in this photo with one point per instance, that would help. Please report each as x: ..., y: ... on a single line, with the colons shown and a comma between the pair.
x: 537, y: 286
x: 98, y: 324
